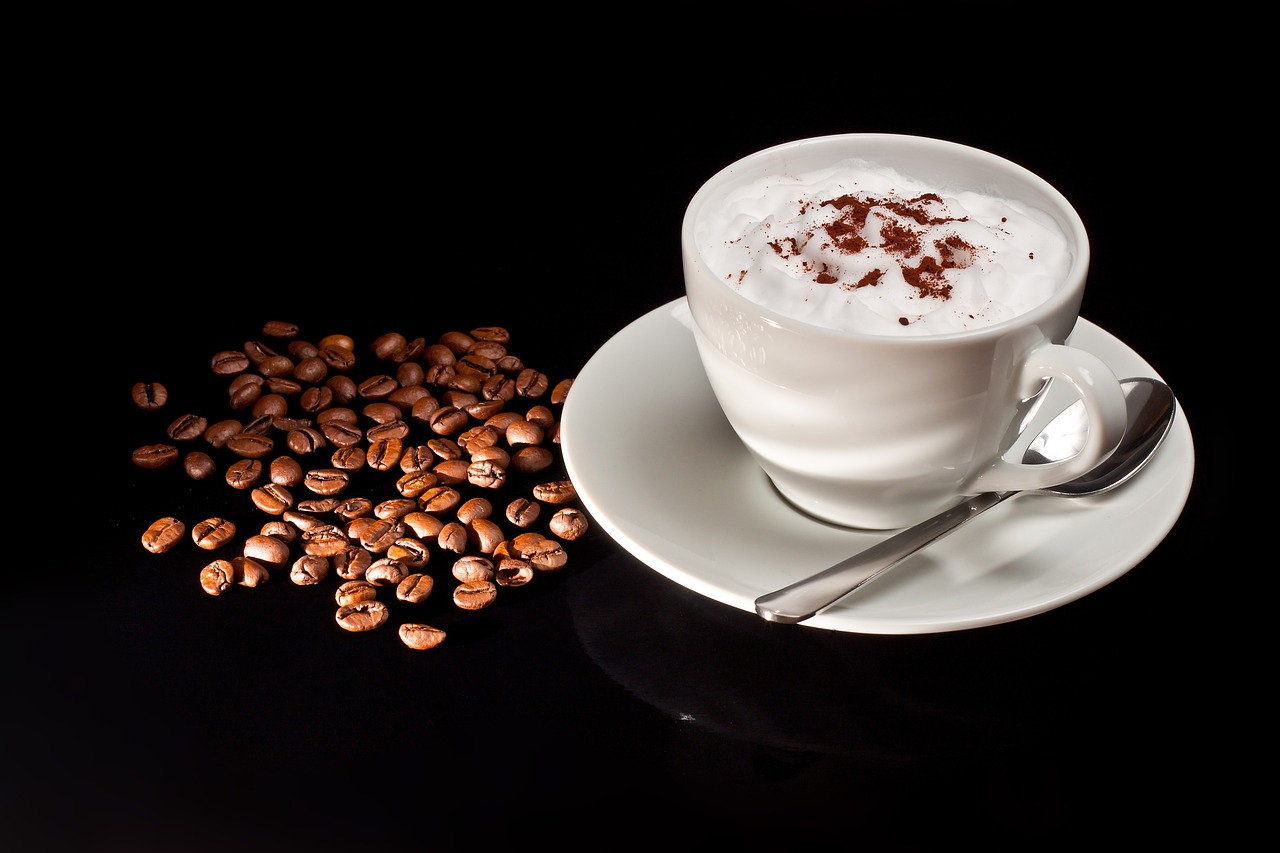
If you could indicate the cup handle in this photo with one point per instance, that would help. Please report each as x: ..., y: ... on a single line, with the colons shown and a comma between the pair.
x: 1104, y: 404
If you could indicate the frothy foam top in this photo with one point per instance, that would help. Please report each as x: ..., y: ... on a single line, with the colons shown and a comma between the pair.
x: 858, y: 247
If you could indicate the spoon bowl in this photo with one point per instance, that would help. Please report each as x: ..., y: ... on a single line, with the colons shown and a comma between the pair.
x: 1150, y: 406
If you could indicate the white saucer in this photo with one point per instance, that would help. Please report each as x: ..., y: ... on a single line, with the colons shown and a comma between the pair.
x: 657, y: 467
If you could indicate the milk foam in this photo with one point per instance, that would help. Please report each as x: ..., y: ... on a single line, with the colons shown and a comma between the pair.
x: 859, y: 247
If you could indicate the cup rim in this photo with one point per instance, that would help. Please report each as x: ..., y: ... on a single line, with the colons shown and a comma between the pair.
x: 1033, y: 316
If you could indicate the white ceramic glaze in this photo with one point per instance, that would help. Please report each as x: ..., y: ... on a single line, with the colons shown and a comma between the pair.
x: 876, y: 431
x: 682, y: 494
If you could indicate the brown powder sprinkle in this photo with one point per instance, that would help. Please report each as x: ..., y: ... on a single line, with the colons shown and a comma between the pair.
x: 897, y: 237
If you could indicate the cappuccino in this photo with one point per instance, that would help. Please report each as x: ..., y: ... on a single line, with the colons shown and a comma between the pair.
x: 859, y: 247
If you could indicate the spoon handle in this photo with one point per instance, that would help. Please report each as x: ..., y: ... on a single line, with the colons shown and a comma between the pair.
x: 809, y: 596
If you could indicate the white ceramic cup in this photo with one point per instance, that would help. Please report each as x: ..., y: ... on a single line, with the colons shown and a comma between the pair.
x: 880, y: 431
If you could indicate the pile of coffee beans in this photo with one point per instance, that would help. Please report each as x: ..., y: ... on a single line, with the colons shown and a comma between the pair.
x: 385, y: 470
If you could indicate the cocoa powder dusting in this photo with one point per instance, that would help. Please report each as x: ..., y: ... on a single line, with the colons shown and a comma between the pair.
x: 897, y: 237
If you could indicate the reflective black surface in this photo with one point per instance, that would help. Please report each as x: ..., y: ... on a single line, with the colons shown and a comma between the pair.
x: 603, y: 704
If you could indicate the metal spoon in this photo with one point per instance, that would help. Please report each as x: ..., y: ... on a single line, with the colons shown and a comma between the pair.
x: 1150, y: 405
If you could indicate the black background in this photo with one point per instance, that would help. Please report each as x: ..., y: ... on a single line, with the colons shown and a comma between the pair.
x: 193, y: 201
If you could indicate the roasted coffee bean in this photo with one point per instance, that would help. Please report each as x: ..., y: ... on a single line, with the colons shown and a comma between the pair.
x: 244, y: 473
x: 355, y: 591
x: 413, y: 484
x: 448, y: 420
x: 353, y: 508
x: 326, y: 481
x: 542, y: 416
x: 568, y: 523
x: 475, y: 595
x: 270, y: 406
x: 341, y: 433
x: 258, y: 352
x: 309, y: 570
x: 155, y: 456
x: 424, y: 525
x: 272, y: 498
x: 338, y: 414
x: 217, y: 577
x: 510, y: 364
x: 474, y: 508
x: 249, y: 572
x: 282, y: 530
x: 417, y: 635
x: 392, y: 430
x: 483, y: 535
x: 311, y: 370
x: 484, y: 409
x: 267, y: 550
x: 457, y: 341
x: 218, y: 433
x: 424, y: 408
x: 302, y: 521
x: 410, y: 373
x: 412, y: 552
x: 299, y: 349
x: 305, y: 440
x: 451, y: 472
x: 555, y: 492
x: 259, y: 424
x: 523, y: 512
x: 438, y: 354
x: 276, y: 366
x: 486, y: 474
x: 316, y: 400
x: 362, y: 616
x: 284, y: 386
x: 494, y: 334
x: 349, y: 458
x: 386, y: 571
x: 475, y: 363
x: 352, y: 562
x: 213, y: 533
x: 470, y: 567
x: 523, y: 432
x: 338, y: 358
x: 492, y: 350
x: 150, y: 396
x: 544, y: 554
x: 495, y: 454
x: 560, y: 392
x: 199, y: 465
x: 531, y: 460
x: 377, y: 387
x: 498, y: 388
x: 476, y: 437
x: 502, y: 420
x: 384, y: 454
x: 445, y: 448
x: 512, y: 571
x: 279, y: 329
x: 319, y: 506
x: 325, y: 540
x: 285, y: 471
x: 244, y: 391
x: 389, y: 347
x: 250, y: 445
x: 343, y: 388
x: 406, y: 397
x: 287, y: 424
x: 453, y: 537
x: 163, y: 534
x: 380, y: 533
x: 395, y: 507
x: 381, y: 413
x: 229, y: 362
x: 531, y: 383
x: 337, y: 340
x: 439, y: 499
